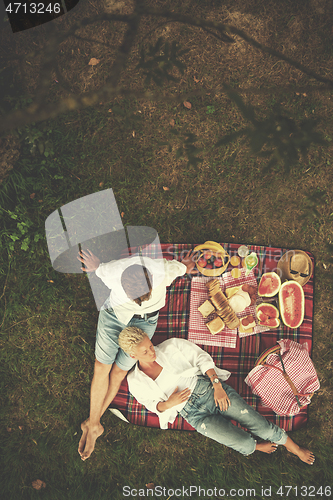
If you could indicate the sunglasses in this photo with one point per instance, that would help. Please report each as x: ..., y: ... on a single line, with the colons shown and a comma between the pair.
x: 303, y: 275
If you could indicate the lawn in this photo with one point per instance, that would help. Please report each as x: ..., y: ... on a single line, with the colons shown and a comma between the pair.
x: 48, y: 319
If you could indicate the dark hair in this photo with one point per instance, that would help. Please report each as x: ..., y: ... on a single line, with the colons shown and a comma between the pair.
x: 136, y: 280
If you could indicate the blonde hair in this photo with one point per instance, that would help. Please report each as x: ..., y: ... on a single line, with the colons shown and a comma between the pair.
x: 137, y: 280
x: 130, y: 338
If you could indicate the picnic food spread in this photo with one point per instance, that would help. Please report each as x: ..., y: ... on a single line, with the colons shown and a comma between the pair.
x: 224, y: 307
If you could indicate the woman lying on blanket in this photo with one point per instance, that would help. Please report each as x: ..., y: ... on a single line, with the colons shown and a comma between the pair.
x: 179, y: 377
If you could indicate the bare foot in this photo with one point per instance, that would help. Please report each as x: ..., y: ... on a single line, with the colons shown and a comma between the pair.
x: 266, y: 447
x: 88, y: 438
x: 302, y: 453
x: 305, y: 455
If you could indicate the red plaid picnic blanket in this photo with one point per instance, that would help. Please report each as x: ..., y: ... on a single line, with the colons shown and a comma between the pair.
x: 174, y: 322
x: 270, y: 385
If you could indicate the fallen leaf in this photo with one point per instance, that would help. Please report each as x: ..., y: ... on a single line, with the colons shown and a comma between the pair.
x: 165, y: 188
x: 122, y: 214
x: 100, y: 184
x: 133, y: 133
x: 93, y: 61
x: 20, y: 427
x: 38, y: 484
x: 110, y: 110
x: 40, y: 201
x: 304, y: 95
x: 32, y: 195
x: 297, y: 93
x: 50, y: 281
x: 172, y: 122
x: 150, y: 486
x: 187, y: 104
x: 196, y: 80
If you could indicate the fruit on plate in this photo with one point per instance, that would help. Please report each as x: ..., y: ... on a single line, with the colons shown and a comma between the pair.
x: 218, y: 262
x: 268, y: 315
x: 269, y: 285
x: 291, y: 303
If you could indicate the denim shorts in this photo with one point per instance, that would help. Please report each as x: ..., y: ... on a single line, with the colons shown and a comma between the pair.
x: 107, y: 350
x: 201, y: 412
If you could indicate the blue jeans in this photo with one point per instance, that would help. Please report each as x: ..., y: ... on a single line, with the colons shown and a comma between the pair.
x: 107, y: 350
x: 201, y: 412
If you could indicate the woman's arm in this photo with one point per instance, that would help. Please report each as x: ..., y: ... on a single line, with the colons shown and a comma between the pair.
x: 175, y: 399
x: 220, y: 396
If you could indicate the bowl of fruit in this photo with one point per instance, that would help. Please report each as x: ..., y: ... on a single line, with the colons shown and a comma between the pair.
x: 211, y: 258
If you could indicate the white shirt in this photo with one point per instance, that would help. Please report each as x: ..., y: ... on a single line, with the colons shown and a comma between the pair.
x: 180, y: 357
x: 167, y: 381
x: 163, y: 272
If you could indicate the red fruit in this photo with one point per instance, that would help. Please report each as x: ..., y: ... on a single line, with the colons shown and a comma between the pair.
x: 202, y: 262
x: 209, y: 266
x: 218, y: 262
x: 207, y: 255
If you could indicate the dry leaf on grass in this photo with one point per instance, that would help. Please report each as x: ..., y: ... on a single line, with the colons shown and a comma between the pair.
x: 93, y: 61
x: 196, y: 80
x: 122, y: 214
x: 165, y: 188
x: 172, y: 122
x: 150, y: 486
x: 187, y: 104
x: 32, y: 195
x: 38, y: 484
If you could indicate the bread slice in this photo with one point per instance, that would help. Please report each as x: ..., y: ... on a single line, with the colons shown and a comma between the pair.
x: 206, y: 308
x: 215, y: 326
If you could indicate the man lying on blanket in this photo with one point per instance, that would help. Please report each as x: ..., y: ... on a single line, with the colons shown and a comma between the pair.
x: 137, y: 293
x: 178, y: 376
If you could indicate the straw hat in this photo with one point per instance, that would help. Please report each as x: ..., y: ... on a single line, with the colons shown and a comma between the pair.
x: 295, y: 265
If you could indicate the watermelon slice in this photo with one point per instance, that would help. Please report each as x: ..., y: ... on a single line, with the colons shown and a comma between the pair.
x: 291, y: 303
x: 268, y: 315
x: 269, y: 285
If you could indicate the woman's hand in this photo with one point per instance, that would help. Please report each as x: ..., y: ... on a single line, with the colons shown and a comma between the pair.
x: 221, y: 398
x: 178, y: 397
x: 89, y: 260
x: 189, y: 262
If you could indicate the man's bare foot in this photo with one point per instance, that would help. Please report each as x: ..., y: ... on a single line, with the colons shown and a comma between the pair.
x: 88, y: 438
x: 266, y: 447
x: 305, y: 455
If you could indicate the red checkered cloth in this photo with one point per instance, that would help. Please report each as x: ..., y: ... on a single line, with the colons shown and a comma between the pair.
x: 174, y: 322
x: 198, y: 331
x: 270, y: 385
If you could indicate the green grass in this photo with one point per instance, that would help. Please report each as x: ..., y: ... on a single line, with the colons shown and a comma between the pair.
x: 48, y: 319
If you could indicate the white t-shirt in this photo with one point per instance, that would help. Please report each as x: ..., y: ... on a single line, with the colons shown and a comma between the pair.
x: 163, y: 272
